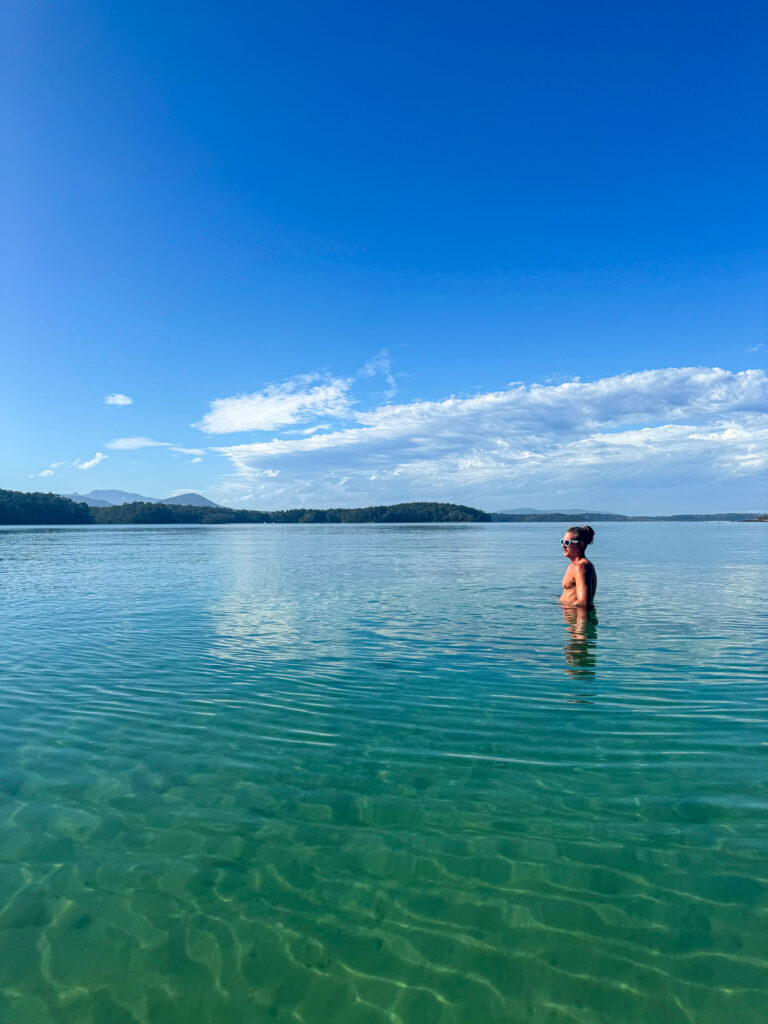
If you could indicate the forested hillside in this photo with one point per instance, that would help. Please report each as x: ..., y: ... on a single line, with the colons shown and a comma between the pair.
x: 19, y: 509
x: 22, y: 508
x: 410, y: 512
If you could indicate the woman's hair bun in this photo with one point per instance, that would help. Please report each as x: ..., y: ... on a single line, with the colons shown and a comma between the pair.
x: 585, y: 534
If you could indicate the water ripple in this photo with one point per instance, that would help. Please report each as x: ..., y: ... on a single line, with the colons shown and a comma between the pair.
x: 375, y: 774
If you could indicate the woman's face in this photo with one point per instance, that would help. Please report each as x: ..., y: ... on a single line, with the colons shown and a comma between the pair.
x: 570, y: 544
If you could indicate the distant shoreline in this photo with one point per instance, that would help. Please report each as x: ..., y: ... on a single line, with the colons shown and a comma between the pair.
x: 22, y: 508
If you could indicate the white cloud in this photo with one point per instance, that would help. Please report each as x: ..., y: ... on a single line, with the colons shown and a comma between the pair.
x: 381, y: 364
x: 656, y: 425
x: 51, y: 467
x: 134, y: 444
x: 196, y: 459
x: 279, y: 405
x: 310, y: 430
x: 97, y: 458
x: 118, y: 399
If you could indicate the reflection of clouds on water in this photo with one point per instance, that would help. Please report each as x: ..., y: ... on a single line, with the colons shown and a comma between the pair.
x: 742, y: 581
x: 580, y: 643
x: 246, y: 625
x: 256, y: 615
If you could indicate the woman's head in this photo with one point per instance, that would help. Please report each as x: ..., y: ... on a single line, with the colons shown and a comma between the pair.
x: 579, y: 536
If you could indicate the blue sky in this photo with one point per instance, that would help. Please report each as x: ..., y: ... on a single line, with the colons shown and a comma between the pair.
x: 504, y: 254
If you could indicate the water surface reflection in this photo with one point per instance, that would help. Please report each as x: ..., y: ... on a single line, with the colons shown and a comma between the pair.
x: 581, y: 641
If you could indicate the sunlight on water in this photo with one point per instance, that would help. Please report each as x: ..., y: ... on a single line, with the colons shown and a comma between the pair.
x: 341, y: 775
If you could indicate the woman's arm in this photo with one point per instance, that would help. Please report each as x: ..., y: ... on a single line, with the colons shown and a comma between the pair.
x: 582, y: 586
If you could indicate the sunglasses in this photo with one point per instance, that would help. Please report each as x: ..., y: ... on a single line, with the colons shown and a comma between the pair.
x: 567, y: 543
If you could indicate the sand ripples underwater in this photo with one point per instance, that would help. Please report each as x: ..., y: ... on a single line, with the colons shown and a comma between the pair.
x: 357, y: 775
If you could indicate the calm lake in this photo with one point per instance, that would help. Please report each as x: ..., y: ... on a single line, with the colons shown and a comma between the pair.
x: 373, y: 775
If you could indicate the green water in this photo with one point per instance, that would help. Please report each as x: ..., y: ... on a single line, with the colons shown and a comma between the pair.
x: 360, y: 774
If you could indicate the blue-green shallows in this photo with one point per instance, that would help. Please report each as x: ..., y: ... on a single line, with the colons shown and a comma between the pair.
x: 372, y: 775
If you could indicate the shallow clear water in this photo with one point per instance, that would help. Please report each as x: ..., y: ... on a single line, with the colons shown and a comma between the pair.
x: 352, y: 774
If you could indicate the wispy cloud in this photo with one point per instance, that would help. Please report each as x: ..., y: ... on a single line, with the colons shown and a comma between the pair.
x: 50, y: 469
x: 279, y: 405
x: 134, y: 444
x: 657, y: 424
x: 97, y: 458
x: 382, y: 364
x: 117, y: 399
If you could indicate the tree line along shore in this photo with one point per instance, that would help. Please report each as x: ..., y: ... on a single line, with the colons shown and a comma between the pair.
x: 19, y: 508
x: 22, y: 508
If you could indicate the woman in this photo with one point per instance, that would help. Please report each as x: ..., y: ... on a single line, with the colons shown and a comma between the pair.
x: 580, y: 580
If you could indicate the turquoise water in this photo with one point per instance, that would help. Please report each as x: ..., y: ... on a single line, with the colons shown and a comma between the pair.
x: 359, y: 774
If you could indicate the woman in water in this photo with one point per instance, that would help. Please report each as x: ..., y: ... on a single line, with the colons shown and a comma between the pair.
x: 580, y: 580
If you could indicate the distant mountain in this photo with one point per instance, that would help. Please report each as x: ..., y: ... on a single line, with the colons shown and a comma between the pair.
x: 106, y: 499
x: 86, y: 499
x: 190, y: 498
x: 120, y: 497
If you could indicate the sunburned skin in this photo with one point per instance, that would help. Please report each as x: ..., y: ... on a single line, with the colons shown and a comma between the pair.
x: 580, y: 580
